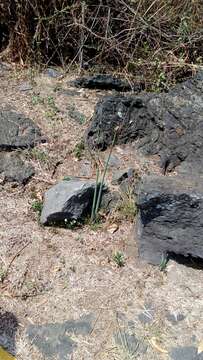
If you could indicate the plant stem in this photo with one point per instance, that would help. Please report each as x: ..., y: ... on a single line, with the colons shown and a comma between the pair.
x: 95, y: 197
x: 103, y: 177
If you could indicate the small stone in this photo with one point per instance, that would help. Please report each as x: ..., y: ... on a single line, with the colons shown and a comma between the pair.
x: 174, y: 318
x: 120, y: 175
x: 17, y: 131
x: 25, y: 87
x: 147, y: 316
x: 52, y: 73
x: 67, y: 92
x: 85, y: 168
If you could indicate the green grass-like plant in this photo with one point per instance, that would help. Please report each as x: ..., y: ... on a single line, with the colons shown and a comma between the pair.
x: 119, y: 258
x: 37, y: 206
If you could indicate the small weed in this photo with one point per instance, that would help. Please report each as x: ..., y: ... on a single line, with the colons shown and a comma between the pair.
x: 119, y: 259
x: 161, y: 83
x: 37, y: 206
x: 67, y: 178
x: 29, y: 285
x: 39, y: 155
x: 49, y: 103
x: 78, y: 238
x: 52, y: 105
x: 37, y: 99
x: 97, y: 225
x: 79, y: 149
x: 2, y: 274
x: 184, y: 29
x: 163, y: 262
x: 76, y: 115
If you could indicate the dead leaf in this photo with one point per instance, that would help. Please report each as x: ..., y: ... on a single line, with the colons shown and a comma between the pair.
x: 200, y: 347
x: 4, y: 355
x: 112, y: 228
x: 154, y: 343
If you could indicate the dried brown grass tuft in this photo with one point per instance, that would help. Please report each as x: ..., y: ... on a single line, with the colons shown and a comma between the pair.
x: 140, y: 35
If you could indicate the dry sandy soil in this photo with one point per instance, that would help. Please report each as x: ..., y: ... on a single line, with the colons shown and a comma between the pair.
x: 56, y: 275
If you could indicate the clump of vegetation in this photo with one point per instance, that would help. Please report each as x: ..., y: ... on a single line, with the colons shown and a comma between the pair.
x: 76, y: 115
x: 49, y: 104
x: 163, y: 262
x: 3, y: 274
x: 79, y: 149
x: 39, y: 155
x: 37, y: 99
x: 52, y: 109
x: 119, y: 258
x: 67, y: 178
x: 127, y: 207
x: 37, y: 206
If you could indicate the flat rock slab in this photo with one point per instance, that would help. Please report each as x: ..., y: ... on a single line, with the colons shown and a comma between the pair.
x: 54, y: 340
x: 170, y: 218
x: 14, y: 169
x: 17, y: 131
x: 67, y: 201
x: 169, y: 124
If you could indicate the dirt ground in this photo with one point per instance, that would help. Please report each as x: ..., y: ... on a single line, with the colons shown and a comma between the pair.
x: 56, y: 275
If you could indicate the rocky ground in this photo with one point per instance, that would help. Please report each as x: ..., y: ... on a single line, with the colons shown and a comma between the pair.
x: 62, y: 293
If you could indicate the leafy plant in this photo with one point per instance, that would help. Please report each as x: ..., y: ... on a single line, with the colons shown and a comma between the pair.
x: 2, y: 274
x: 37, y: 99
x: 39, y: 155
x: 67, y: 178
x: 51, y: 103
x: 119, y: 258
x: 163, y: 262
x: 78, y: 150
x: 37, y: 206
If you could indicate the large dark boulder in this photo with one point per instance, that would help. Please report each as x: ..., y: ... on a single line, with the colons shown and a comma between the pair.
x: 17, y: 131
x: 169, y: 124
x: 14, y: 169
x: 170, y: 217
x: 102, y: 82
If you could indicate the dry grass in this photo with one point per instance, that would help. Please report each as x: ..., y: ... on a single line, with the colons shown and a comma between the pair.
x: 160, y: 37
